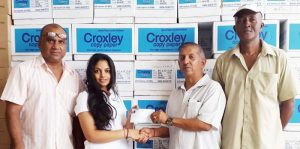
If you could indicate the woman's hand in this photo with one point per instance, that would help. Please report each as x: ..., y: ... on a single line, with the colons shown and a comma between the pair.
x: 133, y: 109
x: 136, y: 135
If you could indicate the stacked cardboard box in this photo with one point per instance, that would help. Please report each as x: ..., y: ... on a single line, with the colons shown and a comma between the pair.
x: 5, y: 24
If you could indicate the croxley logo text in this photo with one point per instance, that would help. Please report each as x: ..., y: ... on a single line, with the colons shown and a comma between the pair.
x: 231, y: 35
x: 31, y: 40
x: 165, y: 40
x: 100, y: 41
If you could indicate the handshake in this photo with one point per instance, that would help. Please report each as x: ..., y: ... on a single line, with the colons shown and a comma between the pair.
x: 147, y: 116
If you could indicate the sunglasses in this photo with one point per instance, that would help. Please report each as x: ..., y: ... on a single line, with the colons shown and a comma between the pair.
x: 53, y: 34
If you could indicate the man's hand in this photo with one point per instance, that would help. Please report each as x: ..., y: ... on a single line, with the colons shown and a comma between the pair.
x: 159, y: 117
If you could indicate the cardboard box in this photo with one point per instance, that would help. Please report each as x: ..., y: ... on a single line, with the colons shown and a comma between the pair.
x: 25, y: 39
x: 282, y: 6
x: 202, y: 19
x: 33, y: 21
x: 114, y: 11
x: 290, y: 37
x: 5, y: 5
x: 295, y: 62
x: 5, y: 58
x: 292, y: 140
x: 225, y: 38
x: 4, y: 72
x: 152, y: 102
x: 205, y: 41
x: 198, y: 8
x: 2, y: 124
x: 114, y: 20
x: 163, y: 39
x: 128, y: 101
x: 29, y: 9
x: 5, y: 25
x: 72, y: 9
x: 294, y: 122
x: 229, y: 7
x: 150, y: 11
x: 73, y: 21
x: 2, y: 105
x: 208, y: 69
x: 5, y: 146
x: 154, y: 75
x: 124, y: 72
x: 103, y: 38
x: 2, y: 85
x: 5, y: 139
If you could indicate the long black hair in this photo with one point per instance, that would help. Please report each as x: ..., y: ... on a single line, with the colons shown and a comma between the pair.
x: 99, y: 107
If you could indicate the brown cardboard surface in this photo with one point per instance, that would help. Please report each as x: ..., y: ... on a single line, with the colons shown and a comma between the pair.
x: 3, y: 125
x: 4, y: 138
x: 2, y: 109
x: 5, y: 30
x: 4, y: 73
x: 5, y: 58
x: 5, y: 146
x: 6, y: 5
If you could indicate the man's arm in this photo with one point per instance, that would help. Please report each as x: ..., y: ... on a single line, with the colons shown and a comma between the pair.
x: 192, y: 124
x: 14, y: 125
x: 286, y: 111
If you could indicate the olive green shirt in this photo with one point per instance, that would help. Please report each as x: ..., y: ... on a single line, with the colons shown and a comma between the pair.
x: 252, y: 115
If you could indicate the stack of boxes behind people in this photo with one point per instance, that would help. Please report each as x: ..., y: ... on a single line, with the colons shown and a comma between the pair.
x: 142, y: 37
x: 5, y: 24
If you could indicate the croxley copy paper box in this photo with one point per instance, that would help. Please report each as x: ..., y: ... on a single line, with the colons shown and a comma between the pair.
x: 154, y: 75
x: 30, y: 9
x: 208, y: 69
x: 295, y: 62
x: 152, y: 102
x: 198, y: 8
x: 292, y: 139
x: 229, y: 7
x: 163, y: 39
x: 103, y: 38
x: 25, y: 39
x: 124, y: 73
x: 291, y: 37
x: 72, y: 8
x: 281, y: 6
x: 294, y: 122
x: 225, y: 38
x: 115, y: 11
x: 153, y: 11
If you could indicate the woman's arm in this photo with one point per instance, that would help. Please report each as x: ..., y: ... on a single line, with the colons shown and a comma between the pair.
x: 93, y: 135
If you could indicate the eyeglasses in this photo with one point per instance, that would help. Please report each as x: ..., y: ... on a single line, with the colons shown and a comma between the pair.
x: 53, y: 34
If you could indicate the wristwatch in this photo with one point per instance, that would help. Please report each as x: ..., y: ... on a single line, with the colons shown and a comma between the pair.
x: 169, y: 121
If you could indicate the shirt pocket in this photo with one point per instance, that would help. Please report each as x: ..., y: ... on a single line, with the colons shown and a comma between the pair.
x: 266, y: 83
x: 193, y: 108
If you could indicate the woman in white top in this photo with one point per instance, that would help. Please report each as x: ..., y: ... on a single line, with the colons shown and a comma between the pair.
x: 101, y: 112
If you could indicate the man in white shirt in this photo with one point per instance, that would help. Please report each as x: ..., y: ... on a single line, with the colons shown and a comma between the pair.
x: 40, y: 96
x: 195, y: 109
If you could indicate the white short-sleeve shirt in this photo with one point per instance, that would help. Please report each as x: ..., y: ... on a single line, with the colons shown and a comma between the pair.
x: 116, y: 124
x: 47, y: 105
x: 205, y: 101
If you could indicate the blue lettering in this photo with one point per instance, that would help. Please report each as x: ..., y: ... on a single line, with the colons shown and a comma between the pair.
x: 88, y: 37
x: 26, y: 37
x: 230, y: 35
x: 263, y: 35
x: 151, y: 37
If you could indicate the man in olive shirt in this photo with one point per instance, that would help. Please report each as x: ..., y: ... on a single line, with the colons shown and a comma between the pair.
x: 260, y: 87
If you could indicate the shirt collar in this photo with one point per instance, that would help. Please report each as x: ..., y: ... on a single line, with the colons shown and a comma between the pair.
x: 40, y: 61
x: 202, y: 82
x: 265, y: 50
